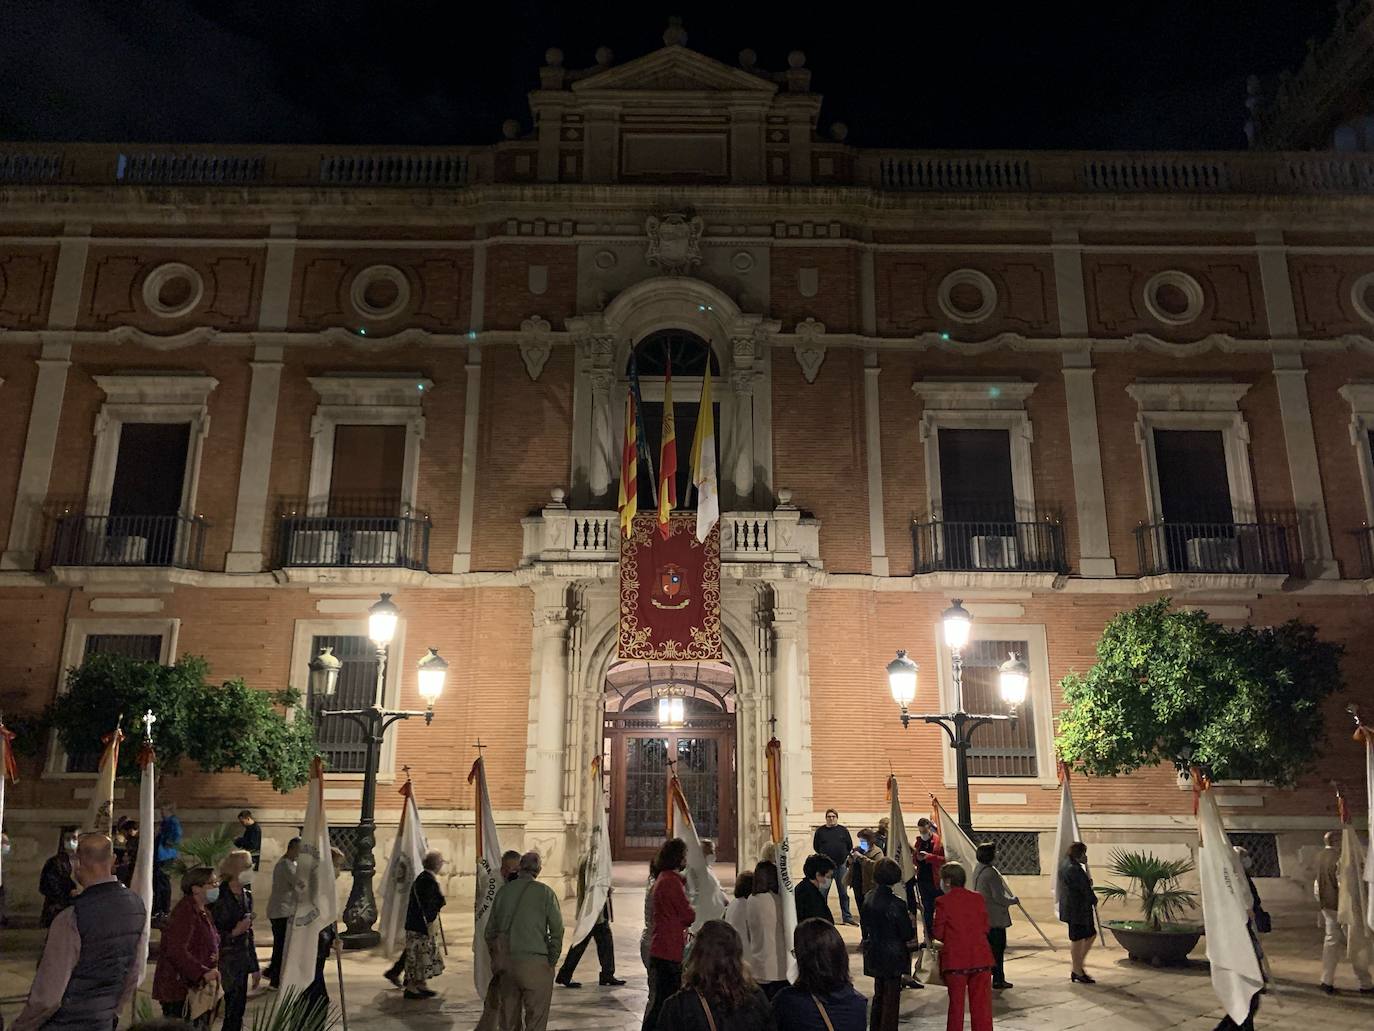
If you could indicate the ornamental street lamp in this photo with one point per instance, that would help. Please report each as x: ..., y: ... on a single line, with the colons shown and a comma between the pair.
x: 360, y: 912
x: 1013, y: 679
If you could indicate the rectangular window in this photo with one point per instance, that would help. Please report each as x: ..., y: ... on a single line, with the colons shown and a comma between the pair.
x: 1005, y: 748
x: 342, y: 741
x: 143, y: 647
x: 151, y: 469
x: 1018, y: 852
x: 368, y: 470
x: 975, y: 476
x: 684, y: 430
x: 1191, y: 467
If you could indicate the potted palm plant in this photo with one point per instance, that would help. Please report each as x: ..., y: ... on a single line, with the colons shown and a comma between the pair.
x: 1161, y: 937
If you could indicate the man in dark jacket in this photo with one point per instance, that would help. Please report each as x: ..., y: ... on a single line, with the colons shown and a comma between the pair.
x: 251, y: 838
x: 96, y: 950
x: 818, y: 872
x: 833, y: 842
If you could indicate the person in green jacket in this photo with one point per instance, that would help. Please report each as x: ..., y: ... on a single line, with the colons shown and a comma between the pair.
x: 527, y: 913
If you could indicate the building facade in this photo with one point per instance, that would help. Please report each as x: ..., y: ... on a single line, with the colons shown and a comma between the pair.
x: 246, y: 389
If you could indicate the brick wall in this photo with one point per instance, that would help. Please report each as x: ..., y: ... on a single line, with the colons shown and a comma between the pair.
x: 836, y: 302
x: 509, y: 299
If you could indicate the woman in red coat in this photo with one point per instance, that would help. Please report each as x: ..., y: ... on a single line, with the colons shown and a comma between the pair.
x: 188, y: 956
x: 673, y: 915
x: 966, y: 962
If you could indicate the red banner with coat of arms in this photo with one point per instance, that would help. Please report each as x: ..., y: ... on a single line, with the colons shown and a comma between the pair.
x: 669, y: 591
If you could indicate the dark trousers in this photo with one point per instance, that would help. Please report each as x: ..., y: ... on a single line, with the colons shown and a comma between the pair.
x: 665, y: 979
x: 997, y: 939
x: 929, y: 893
x: 278, y: 943
x: 162, y: 890
x: 605, y: 953
x: 887, y: 1001
x: 235, y: 999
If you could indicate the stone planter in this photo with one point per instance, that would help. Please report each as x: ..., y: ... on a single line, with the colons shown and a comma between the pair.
x: 1166, y: 948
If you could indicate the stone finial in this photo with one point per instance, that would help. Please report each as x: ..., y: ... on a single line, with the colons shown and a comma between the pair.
x: 747, y: 58
x: 784, y: 498
x: 604, y: 56
x: 839, y: 132
x: 557, y: 498
x: 553, y: 57
x: 796, y: 59
x: 510, y: 129
x: 675, y: 35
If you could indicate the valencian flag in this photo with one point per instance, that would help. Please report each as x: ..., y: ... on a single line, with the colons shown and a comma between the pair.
x: 1237, y: 976
x: 596, y: 870
x: 667, y: 457
x: 704, y: 461
x: 898, y: 844
x: 629, y: 467
x: 708, y: 901
x: 9, y: 771
x: 777, y: 826
x: 407, y: 858
x: 669, y: 591
x: 317, y: 902
x: 488, y: 877
x: 98, y: 815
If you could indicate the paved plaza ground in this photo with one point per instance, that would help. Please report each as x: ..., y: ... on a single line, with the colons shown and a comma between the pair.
x: 1127, y: 997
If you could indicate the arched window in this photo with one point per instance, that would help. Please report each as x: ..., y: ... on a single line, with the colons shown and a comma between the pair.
x: 689, y: 355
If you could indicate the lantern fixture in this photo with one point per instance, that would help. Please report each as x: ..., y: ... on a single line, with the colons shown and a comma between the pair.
x: 381, y: 621
x: 1013, y: 676
x: 433, y: 670
x: 901, y: 678
x: 324, y: 673
x: 957, y: 621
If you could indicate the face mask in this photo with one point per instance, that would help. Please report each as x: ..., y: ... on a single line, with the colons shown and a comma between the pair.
x: 5, y: 849
x: 863, y: 846
x: 212, y: 895
x: 69, y: 844
x: 246, y: 876
x: 824, y: 883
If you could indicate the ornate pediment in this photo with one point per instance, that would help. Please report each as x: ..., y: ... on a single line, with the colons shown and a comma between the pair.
x: 675, y: 69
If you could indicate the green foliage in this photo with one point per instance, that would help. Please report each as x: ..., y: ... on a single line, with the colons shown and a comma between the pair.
x: 224, y: 727
x: 1155, y: 882
x: 1172, y: 686
x: 205, y: 850
x: 292, y: 1012
x: 29, y: 730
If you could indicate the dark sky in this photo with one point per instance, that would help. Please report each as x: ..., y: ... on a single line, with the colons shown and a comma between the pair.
x: 1030, y: 73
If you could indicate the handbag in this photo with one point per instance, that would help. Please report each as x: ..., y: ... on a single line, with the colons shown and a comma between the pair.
x: 204, y: 998
x: 824, y: 1015
x: 936, y: 975
x: 499, y: 946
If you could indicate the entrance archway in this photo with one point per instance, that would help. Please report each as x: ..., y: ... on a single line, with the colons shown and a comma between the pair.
x: 637, y: 749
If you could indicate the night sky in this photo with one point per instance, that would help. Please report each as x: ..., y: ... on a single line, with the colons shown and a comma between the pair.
x: 1024, y: 74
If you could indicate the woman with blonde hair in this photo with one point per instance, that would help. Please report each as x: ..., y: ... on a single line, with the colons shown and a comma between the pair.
x: 232, y: 913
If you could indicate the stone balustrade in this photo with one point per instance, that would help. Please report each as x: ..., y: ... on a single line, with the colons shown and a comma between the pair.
x: 561, y: 534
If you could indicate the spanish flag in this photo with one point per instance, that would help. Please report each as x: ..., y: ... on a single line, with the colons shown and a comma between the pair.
x: 667, y: 459
x: 629, y: 469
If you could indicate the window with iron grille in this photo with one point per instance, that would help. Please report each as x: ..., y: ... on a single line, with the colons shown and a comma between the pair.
x: 1264, y: 852
x: 345, y: 839
x: 340, y: 740
x: 1018, y: 852
x: 1005, y: 748
x: 142, y: 647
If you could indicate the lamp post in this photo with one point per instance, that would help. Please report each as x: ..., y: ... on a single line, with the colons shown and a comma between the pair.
x: 959, y: 725
x: 360, y: 912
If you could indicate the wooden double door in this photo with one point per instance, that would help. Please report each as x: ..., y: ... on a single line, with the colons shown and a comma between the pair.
x: 638, y: 752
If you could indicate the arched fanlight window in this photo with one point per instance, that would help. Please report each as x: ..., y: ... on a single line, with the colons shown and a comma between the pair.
x: 689, y: 354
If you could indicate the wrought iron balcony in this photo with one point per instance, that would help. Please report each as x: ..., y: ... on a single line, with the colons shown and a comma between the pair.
x: 176, y: 541
x: 989, y: 545
x: 1266, y: 546
x: 359, y: 541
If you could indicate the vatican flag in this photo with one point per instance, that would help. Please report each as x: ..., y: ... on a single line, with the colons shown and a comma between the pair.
x: 407, y: 858
x: 317, y: 903
x: 1226, y: 901
x: 99, y: 815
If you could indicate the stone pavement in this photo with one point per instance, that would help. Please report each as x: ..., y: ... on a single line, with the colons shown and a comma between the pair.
x: 1127, y: 997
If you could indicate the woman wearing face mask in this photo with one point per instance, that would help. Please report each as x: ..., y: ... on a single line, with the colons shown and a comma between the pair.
x: 233, y: 916
x: 55, y: 882
x: 188, y: 956
x: 812, y: 891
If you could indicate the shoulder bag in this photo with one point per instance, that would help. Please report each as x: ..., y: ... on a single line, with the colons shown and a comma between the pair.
x: 824, y: 1015
x: 500, y: 945
x: 710, y: 1020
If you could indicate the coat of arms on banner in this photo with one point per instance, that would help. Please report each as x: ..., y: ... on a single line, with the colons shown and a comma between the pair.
x: 669, y: 591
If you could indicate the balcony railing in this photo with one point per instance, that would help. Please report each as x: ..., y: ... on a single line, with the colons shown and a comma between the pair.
x: 368, y: 541
x: 989, y: 546
x: 1267, y: 547
x: 560, y: 534
x: 176, y: 541
x: 1364, y: 537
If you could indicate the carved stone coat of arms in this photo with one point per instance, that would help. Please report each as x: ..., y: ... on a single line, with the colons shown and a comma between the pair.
x: 674, y: 242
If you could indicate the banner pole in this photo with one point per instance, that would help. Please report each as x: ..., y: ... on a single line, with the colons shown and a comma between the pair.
x: 338, y: 964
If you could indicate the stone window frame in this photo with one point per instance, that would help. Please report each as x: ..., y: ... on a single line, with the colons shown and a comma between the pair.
x: 1360, y: 398
x: 978, y: 404
x: 1039, y: 692
x: 303, y: 635
x: 148, y: 398
x: 74, y: 648
x: 1195, y: 405
x: 393, y: 400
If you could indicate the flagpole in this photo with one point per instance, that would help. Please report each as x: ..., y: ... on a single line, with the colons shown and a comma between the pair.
x: 338, y: 965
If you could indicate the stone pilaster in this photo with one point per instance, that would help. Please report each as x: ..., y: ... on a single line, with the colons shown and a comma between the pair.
x: 255, y: 469
x: 1303, y: 470
x: 35, y: 470
x: 1085, y: 449
x: 549, y: 701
